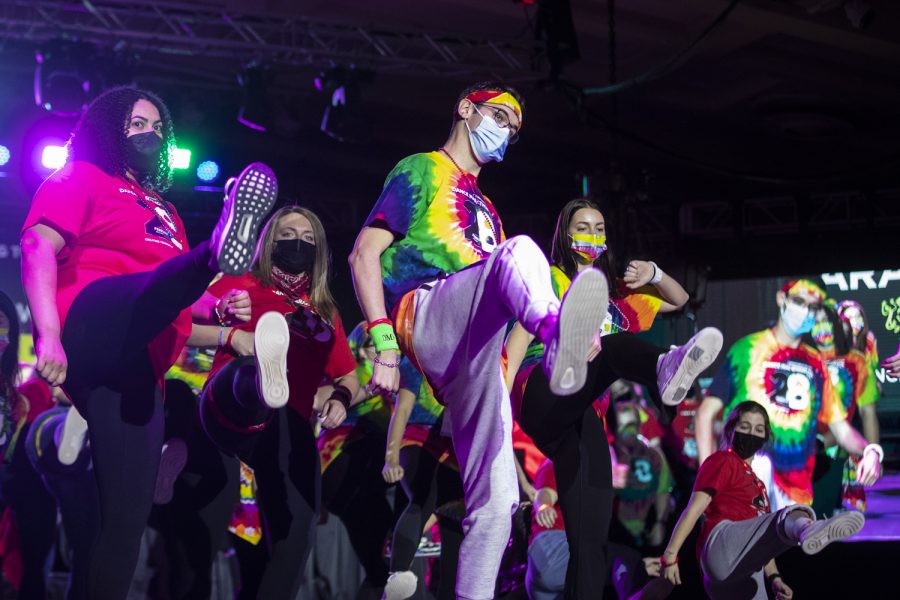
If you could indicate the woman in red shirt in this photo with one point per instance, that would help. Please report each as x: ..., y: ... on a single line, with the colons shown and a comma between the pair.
x: 740, y: 537
x: 293, y: 340
x: 110, y: 282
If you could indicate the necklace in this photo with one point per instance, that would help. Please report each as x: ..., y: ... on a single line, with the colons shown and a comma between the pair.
x: 151, y: 197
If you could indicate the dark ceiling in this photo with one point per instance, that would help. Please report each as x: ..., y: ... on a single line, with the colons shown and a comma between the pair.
x: 770, y: 147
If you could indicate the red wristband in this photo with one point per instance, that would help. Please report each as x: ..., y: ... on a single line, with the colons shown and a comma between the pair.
x: 379, y: 322
x: 665, y: 563
x: 228, y: 339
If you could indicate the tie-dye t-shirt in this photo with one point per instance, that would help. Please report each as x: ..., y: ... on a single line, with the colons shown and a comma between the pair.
x: 632, y: 311
x: 851, y: 381
x: 427, y: 410
x: 794, y: 386
x: 440, y: 220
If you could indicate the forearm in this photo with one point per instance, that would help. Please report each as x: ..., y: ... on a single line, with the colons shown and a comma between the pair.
x: 39, y: 271
x: 848, y: 438
x: 672, y: 292
x: 396, y: 429
x: 686, y: 522
x: 365, y: 267
x: 771, y: 568
x: 203, y: 311
x: 351, y: 383
x: 520, y: 472
x: 871, y: 428
x: 703, y: 427
x: 207, y: 336
x: 545, y: 496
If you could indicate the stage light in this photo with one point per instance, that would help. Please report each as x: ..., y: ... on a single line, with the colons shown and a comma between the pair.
x: 4, y: 155
x: 208, y: 170
x: 61, y: 85
x: 344, y: 118
x: 54, y: 157
x: 181, y: 159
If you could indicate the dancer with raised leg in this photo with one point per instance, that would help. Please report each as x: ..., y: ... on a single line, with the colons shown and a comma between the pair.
x: 110, y: 282
x: 432, y: 255
x: 278, y: 359
x: 568, y: 429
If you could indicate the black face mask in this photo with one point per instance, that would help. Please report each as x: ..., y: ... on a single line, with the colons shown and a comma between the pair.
x: 746, y: 445
x: 142, y: 153
x: 294, y: 256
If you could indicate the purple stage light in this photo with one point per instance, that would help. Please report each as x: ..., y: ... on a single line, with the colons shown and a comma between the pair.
x: 4, y: 155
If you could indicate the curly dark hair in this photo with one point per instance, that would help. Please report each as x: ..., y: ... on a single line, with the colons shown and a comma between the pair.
x: 99, y: 137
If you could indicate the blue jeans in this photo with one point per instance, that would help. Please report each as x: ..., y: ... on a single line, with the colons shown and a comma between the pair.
x: 548, y: 559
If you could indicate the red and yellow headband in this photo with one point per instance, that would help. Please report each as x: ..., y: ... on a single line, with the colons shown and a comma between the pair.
x: 499, y: 98
x: 803, y: 286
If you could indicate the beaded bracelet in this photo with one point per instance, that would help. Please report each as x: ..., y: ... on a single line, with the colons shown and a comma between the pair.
x: 378, y: 361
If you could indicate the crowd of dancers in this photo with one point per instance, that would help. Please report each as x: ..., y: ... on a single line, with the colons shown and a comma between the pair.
x: 484, y: 374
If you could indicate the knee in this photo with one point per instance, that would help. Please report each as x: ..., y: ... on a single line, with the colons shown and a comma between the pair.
x: 524, y: 246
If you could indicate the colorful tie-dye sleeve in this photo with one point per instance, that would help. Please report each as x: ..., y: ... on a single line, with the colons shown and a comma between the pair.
x: 407, y: 191
x: 832, y: 408
x: 867, y: 385
x: 410, y: 378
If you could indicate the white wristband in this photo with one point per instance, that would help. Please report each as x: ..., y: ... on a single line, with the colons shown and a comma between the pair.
x: 877, y: 449
x: 657, y: 273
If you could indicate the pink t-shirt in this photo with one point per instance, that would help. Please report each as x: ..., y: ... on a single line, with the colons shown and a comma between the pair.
x: 111, y: 227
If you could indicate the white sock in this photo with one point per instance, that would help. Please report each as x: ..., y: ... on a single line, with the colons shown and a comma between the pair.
x: 796, y: 523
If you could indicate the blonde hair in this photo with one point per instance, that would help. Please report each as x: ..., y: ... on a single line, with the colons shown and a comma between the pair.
x: 319, y: 293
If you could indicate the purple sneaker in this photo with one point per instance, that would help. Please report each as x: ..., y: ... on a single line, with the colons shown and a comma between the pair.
x: 248, y: 199
x: 821, y: 533
x: 581, y: 315
x: 677, y: 369
x: 171, y: 464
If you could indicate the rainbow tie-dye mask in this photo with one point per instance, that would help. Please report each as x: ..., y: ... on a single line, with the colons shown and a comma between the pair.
x: 588, y: 246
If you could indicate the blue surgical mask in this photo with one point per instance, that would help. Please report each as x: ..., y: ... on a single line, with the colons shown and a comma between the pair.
x: 488, y: 140
x: 797, y: 319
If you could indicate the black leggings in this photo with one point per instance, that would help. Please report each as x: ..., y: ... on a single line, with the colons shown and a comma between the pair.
x: 568, y: 430
x: 34, y: 512
x: 428, y: 484
x: 74, y: 489
x: 110, y: 379
x: 285, y: 461
x: 354, y: 490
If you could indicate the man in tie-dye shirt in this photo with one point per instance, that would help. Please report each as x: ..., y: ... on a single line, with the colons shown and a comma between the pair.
x: 433, y: 261
x: 790, y: 379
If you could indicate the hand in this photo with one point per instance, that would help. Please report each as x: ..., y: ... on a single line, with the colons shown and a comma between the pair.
x: 869, y: 469
x: 638, y: 274
x: 234, y: 307
x: 672, y: 574
x: 333, y: 414
x: 385, y: 380
x: 546, y: 517
x: 892, y: 364
x: 620, y: 476
x: 392, y: 471
x: 528, y: 490
x: 243, y: 343
x: 781, y: 590
x: 652, y: 566
x: 51, y: 360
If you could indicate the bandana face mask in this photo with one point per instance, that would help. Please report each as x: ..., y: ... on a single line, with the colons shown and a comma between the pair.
x: 588, y: 246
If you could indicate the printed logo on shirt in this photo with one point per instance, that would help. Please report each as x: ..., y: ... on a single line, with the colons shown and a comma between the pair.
x: 481, y: 229
x: 789, y: 385
x: 309, y: 325
x: 161, y: 226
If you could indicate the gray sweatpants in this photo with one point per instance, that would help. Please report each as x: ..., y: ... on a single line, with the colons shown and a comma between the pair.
x: 458, y: 331
x: 736, y: 552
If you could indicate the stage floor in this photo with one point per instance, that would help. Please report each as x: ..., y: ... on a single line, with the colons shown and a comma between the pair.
x: 882, y: 511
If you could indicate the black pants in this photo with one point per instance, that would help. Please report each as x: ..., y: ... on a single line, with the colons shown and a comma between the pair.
x: 34, y: 512
x: 110, y: 379
x: 354, y: 490
x: 74, y: 489
x: 194, y: 524
x: 428, y: 485
x: 285, y: 461
x: 568, y: 430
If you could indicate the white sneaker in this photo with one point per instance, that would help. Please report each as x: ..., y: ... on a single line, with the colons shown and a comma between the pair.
x: 70, y: 443
x: 679, y: 367
x: 271, y: 340
x: 400, y: 586
x: 580, y: 316
x: 821, y: 533
x: 171, y: 463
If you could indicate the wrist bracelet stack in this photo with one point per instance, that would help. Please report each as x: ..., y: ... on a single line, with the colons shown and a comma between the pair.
x: 877, y: 449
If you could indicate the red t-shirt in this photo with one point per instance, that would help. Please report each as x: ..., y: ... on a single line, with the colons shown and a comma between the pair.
x: 737, y: 494
x: 110, y: 227
x: 534, y: 458
x: 316, y: 349
x: 680, y: 436
x: 546, y: 478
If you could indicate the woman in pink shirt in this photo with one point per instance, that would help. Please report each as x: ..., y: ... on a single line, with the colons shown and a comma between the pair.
x: 110, y: 282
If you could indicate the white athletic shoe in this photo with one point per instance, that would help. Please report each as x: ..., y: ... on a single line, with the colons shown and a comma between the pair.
x: 679, y: 367
x: 821, y: 533
x: 271, y: 339
x: 171, y: 463
x: 400, y: 586
x: 581, y: 315
x: 71, y: 441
